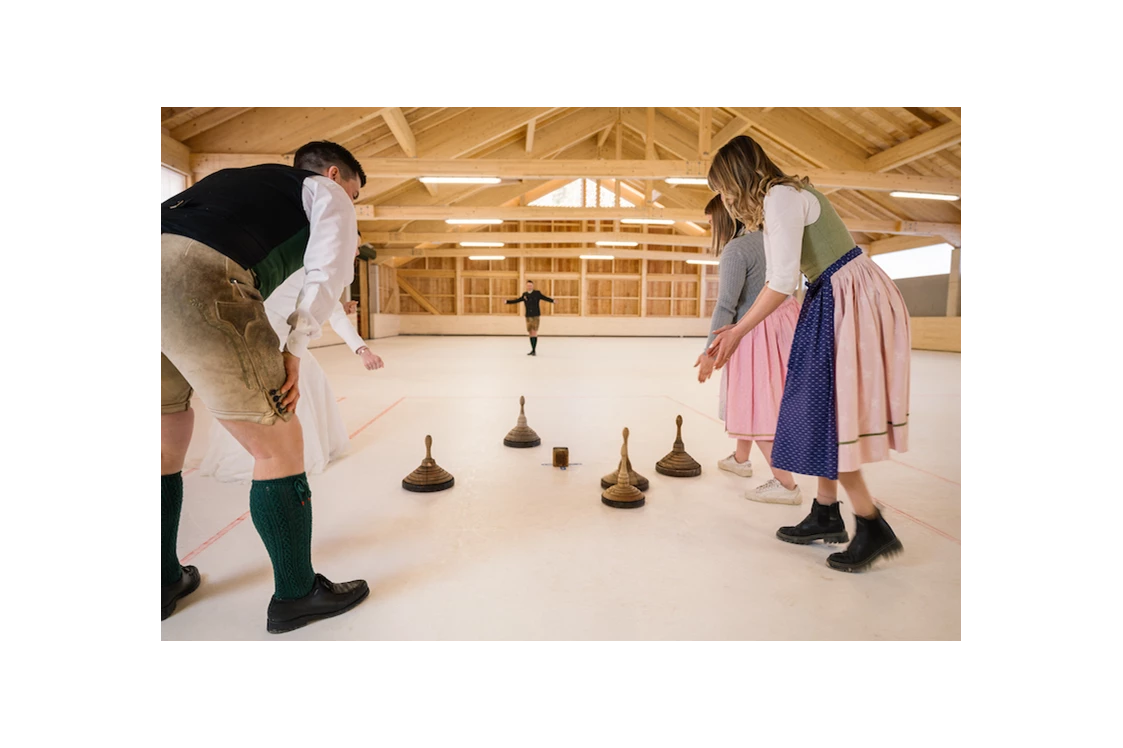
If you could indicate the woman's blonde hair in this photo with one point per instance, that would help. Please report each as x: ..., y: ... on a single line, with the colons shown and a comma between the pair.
x: 742, y: 173
x: 723, y: 227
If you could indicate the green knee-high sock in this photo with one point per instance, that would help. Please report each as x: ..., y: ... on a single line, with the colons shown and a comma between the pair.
x: 171, y: 502
x: 534, y: 343
x: 282, y: 513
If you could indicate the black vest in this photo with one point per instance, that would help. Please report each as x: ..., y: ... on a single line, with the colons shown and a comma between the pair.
x: 255, y: 216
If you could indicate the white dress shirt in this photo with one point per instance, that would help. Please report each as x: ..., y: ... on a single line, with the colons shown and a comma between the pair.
x: 329, y: 261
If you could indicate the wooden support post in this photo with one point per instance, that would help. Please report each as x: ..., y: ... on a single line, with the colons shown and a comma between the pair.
x: 953, y: 285
x: 583, y: 301
x: 701, y: 285
x: 705, y: 125
x: 643, y: 286
x: 459, y: 286
x: 364, y: 299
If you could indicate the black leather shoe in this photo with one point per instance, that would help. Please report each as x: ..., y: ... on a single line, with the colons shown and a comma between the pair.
x: 326, y: 599
x: 532, y: 353
x: 872, y: 538
x: 823, y: 523
x: 188, y: 582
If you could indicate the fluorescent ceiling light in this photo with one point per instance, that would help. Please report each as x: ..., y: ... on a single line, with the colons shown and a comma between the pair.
x: 481, y: 244
x: 701, y: 262
x: 688, y: 180
x: 487, y: 257
x: 617, y: 244
x: 924, y: 195
x: 473, y: 221
x: 652, y: 221
x: 460, y: 180
x: 597, y: 257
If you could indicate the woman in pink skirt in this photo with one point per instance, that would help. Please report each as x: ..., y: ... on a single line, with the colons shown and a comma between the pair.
x: 753, y: 383
x: 846, y: 394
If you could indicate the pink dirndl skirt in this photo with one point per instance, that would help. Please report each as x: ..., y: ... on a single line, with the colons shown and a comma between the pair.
x: 756, y: 373
x: 871, y: 370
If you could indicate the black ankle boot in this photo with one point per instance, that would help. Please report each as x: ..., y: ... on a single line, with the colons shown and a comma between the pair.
x: 187, y: 583
x: 326, y: 599
x: 872, y: 538
x: 823, y: 523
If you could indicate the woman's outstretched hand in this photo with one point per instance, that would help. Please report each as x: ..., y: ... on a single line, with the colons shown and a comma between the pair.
x: 726, y: 340
x: 705, y: 364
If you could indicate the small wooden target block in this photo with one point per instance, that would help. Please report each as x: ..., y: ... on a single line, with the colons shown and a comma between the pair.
x: 561, y: 457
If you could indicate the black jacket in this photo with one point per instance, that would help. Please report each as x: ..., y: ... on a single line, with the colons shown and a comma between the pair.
x: 532, y: 300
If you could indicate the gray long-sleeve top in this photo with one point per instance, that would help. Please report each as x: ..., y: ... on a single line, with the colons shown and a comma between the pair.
x: 741, y: 277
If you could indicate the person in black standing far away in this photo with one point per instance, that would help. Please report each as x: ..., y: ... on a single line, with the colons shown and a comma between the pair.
x: 533, y: 313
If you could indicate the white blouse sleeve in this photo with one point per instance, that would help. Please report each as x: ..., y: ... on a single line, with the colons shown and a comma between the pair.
x: 785, y: 215
x: 329, y: 260
x: 343, y: 327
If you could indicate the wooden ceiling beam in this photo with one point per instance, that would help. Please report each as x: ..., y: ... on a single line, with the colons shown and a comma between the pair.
x: 804, y: 136
x: 400, y: 255
x: 898, y: 243
x: 529, y: 213
x: 174, y: 154
x: 456, y: 137
x: 533, y: 237
x: 180, y: 116
x: 211, y: 119
x: 400, y: 129
x: 936, y: 139
x: 948, y: 231
x: 951, y: 112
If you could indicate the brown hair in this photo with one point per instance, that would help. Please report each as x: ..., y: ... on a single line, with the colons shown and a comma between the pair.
x: 723, y: 227
x: 743, y: 174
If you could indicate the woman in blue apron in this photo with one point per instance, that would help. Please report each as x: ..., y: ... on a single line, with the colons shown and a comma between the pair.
x: 846, y: 395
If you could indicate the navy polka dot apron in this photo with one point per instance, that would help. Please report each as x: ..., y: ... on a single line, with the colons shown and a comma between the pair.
x: 807, y: 431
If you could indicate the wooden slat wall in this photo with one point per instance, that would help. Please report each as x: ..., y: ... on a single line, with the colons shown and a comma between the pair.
x: 936, y: 334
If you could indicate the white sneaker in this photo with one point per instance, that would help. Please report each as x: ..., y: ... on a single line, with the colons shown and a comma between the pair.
x: 743, y: 469
x: 773, y: 492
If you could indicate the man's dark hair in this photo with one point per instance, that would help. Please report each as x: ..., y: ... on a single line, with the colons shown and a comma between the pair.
x: 530, y: 282
x: 321, y: 154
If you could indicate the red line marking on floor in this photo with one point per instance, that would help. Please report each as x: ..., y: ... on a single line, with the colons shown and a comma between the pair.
x: 919, y: 521
x: 340, y: 399
x: 214, y: 538
x: 715, y: 420
x: 922, y: 470
x: 189, y: 472
x: 352, y: 436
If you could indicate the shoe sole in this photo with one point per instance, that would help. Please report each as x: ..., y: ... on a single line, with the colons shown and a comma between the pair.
x: 826, y: 537
x: 283, y: 627
x: 770, y: 500
x: 889, y: 551
x: 167, y: 610
x: 743, y: 475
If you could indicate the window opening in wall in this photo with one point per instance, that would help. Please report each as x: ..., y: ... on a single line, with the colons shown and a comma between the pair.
x: 572, y: 195
x: 171, y: 183
x: 917, y: 262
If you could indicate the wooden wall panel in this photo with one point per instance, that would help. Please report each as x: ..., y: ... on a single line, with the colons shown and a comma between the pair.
x: 936, y: 333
